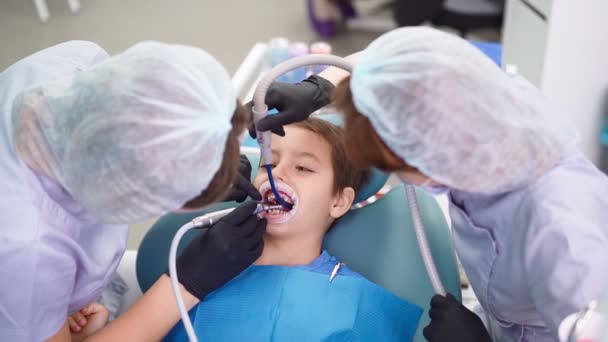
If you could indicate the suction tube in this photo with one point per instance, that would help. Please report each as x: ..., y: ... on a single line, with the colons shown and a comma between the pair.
x: 260, y: 110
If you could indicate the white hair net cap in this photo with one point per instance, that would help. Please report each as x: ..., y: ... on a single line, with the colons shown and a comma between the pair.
x: 133, y: 137
x: 445, y: 108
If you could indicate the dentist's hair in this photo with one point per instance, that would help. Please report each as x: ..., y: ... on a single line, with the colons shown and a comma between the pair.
x: 220, y: 183
x: 364, y: 148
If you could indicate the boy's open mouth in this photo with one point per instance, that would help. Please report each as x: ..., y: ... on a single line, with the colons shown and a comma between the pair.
x: 287, y: 193
x: 269, y: 198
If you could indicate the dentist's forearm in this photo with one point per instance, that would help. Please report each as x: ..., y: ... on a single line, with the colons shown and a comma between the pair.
x: 334, y: 74
x: 150, y: 318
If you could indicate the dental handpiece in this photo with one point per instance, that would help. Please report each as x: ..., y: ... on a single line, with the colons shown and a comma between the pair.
x: 209, y: 219
x: 262, y: 207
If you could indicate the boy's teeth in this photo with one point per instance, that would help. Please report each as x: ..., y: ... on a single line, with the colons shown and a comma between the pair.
x: 276, y: 211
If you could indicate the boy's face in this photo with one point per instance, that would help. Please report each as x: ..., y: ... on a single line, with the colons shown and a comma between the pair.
x: 303, y: 174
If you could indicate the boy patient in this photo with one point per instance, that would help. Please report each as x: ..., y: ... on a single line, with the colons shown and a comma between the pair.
x: 288, y: 292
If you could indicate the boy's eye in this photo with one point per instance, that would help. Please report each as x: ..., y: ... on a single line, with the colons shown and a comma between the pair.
x: 303, y: 169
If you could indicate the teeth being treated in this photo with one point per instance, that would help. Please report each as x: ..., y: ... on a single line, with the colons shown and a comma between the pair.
x: 275, y: 214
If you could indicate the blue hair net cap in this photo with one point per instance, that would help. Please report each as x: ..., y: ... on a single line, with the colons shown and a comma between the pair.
x: 133, y: 137
x: 445, y: 108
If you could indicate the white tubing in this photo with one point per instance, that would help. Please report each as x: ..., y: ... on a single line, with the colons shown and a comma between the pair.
x: 198, y: 222
x: 175, y: 283
x: 423, y: 244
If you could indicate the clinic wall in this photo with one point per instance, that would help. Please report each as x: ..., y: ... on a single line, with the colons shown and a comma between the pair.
x: 575, y: 74
x: 561, y: 46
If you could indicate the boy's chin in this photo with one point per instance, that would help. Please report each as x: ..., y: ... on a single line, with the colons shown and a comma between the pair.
x: 278, y: 229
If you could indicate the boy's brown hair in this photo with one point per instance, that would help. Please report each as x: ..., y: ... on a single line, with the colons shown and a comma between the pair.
x: 345, y: 173
x: 364, y: 148
x: 223, y: 178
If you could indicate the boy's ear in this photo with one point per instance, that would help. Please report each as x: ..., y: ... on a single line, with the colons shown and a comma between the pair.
x: 342, y: 202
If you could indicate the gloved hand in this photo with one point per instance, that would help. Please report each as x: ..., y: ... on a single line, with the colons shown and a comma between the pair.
x: 221, y: 253
x: 242, y: 187
x: 295, y: 102
x: 451, y: 321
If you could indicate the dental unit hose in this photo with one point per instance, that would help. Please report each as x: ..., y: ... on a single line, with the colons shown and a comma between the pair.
x: 260, y: 111
x: 198, y: 222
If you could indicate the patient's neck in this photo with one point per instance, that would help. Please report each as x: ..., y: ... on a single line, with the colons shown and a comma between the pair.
x: 290, y: 251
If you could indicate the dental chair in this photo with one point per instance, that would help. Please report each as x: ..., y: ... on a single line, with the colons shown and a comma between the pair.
x: 376, y: 240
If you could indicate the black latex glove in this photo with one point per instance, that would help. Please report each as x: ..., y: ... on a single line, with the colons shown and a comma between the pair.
x: 294, y: 101
x: 242, y: 187
x: 451, y: 321
x: 222, y: 252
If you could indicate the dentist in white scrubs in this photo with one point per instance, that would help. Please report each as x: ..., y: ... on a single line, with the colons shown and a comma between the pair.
x: 91, y: 143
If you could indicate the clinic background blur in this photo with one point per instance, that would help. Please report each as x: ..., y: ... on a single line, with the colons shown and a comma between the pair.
x: 229, y: 28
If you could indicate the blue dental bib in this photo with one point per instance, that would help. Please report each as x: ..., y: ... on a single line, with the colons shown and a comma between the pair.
x: 278, y: 303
